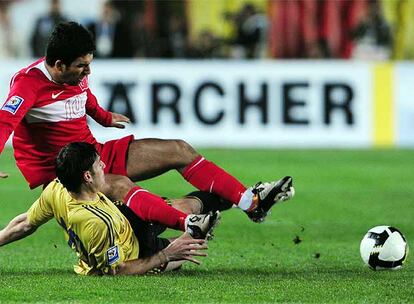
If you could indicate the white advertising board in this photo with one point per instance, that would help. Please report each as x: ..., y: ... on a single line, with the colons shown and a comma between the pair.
x: 225, y: 103
x: 404, y: 104
x: 234, y: 103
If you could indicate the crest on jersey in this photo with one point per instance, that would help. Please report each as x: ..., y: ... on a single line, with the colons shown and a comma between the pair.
x: 13, y: 104
x: 84, y: 83
x: 112, y: 255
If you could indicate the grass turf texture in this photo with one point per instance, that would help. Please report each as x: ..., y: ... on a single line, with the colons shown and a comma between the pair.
x: 339, y: 196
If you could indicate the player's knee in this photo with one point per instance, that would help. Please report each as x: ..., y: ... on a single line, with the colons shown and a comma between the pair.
x: 185, y: 150
x: 187, y: 205
x: 117, y: 187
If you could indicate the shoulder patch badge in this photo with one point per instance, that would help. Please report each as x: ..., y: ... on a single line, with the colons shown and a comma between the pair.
x: 112, y: 255
x: 13, y: 104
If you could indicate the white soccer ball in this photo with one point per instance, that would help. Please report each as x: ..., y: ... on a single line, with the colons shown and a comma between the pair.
x: 384, y: 247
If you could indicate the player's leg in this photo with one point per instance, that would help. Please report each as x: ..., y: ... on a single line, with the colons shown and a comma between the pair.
x: 117, y: 188
x: 145, y: 158
x: 151, y: 157
x: 152, y: 208
x: 146, y: 205
x: 201, y: 202
x: 148, y: 233
x: 256, y: 201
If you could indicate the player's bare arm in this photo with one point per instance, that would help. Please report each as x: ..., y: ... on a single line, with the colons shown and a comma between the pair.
x: 183, y: 248
x: 18, y: 228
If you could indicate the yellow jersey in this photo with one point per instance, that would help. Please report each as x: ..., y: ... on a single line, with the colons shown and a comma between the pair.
x: 99, y: 233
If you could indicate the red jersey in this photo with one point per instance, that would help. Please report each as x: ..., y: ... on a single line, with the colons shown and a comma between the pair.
x: 45, y: 116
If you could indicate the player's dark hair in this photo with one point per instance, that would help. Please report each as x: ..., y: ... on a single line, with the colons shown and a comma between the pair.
x: 68, y: 41
x: 73, y: 160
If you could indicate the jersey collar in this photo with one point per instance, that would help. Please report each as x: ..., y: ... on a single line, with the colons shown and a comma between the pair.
x: 42, y: 67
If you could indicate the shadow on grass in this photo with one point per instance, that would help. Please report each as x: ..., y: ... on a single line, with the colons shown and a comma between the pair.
x: 275, y: 273
x: 220, y: 273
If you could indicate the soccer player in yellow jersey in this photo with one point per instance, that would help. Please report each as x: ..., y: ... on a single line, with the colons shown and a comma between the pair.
x: 105, y: 241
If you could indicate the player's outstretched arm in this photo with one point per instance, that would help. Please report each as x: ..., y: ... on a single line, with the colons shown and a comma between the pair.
x: 183, y: 248
x: 117, y: 119
x: 18, y: 228
x: 3, y: 175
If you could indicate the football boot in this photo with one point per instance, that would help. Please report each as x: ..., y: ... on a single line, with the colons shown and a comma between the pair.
x: 200, y: 226
x: 265, y: 195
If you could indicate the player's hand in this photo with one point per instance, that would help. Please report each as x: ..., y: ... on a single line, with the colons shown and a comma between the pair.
x: 185, y: 249
x: 117, y: 119
x: 3, y: 175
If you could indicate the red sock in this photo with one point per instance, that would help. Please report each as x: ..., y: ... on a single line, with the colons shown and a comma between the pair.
x: 150, y: 207
x: 206, y: 176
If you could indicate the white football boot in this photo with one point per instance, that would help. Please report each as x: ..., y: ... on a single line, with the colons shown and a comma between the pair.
x: 200, y: 226
x: 268, y: 194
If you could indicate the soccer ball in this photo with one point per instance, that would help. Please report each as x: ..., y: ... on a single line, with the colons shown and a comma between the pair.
x: 384, y: 247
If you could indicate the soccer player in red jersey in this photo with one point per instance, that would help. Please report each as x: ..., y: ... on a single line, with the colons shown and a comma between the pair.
x: 47, y: 106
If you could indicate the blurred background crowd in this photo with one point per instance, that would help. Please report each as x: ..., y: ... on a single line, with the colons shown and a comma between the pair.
x: 284, y: 29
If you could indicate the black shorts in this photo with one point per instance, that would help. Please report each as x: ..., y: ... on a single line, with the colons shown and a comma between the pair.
x: 146, y: 232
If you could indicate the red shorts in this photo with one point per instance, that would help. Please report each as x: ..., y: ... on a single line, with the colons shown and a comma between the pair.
x: 113, y: 153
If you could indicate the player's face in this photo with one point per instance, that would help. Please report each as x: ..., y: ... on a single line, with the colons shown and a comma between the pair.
x: 78, y: 69
x: 98, y: 173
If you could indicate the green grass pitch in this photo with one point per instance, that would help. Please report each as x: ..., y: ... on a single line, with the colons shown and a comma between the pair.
x: 340, y: 194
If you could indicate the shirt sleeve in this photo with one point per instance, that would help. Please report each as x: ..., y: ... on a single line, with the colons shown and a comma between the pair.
x: 94, y: 110
x: 21, y: 97
x: 41, y: 211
